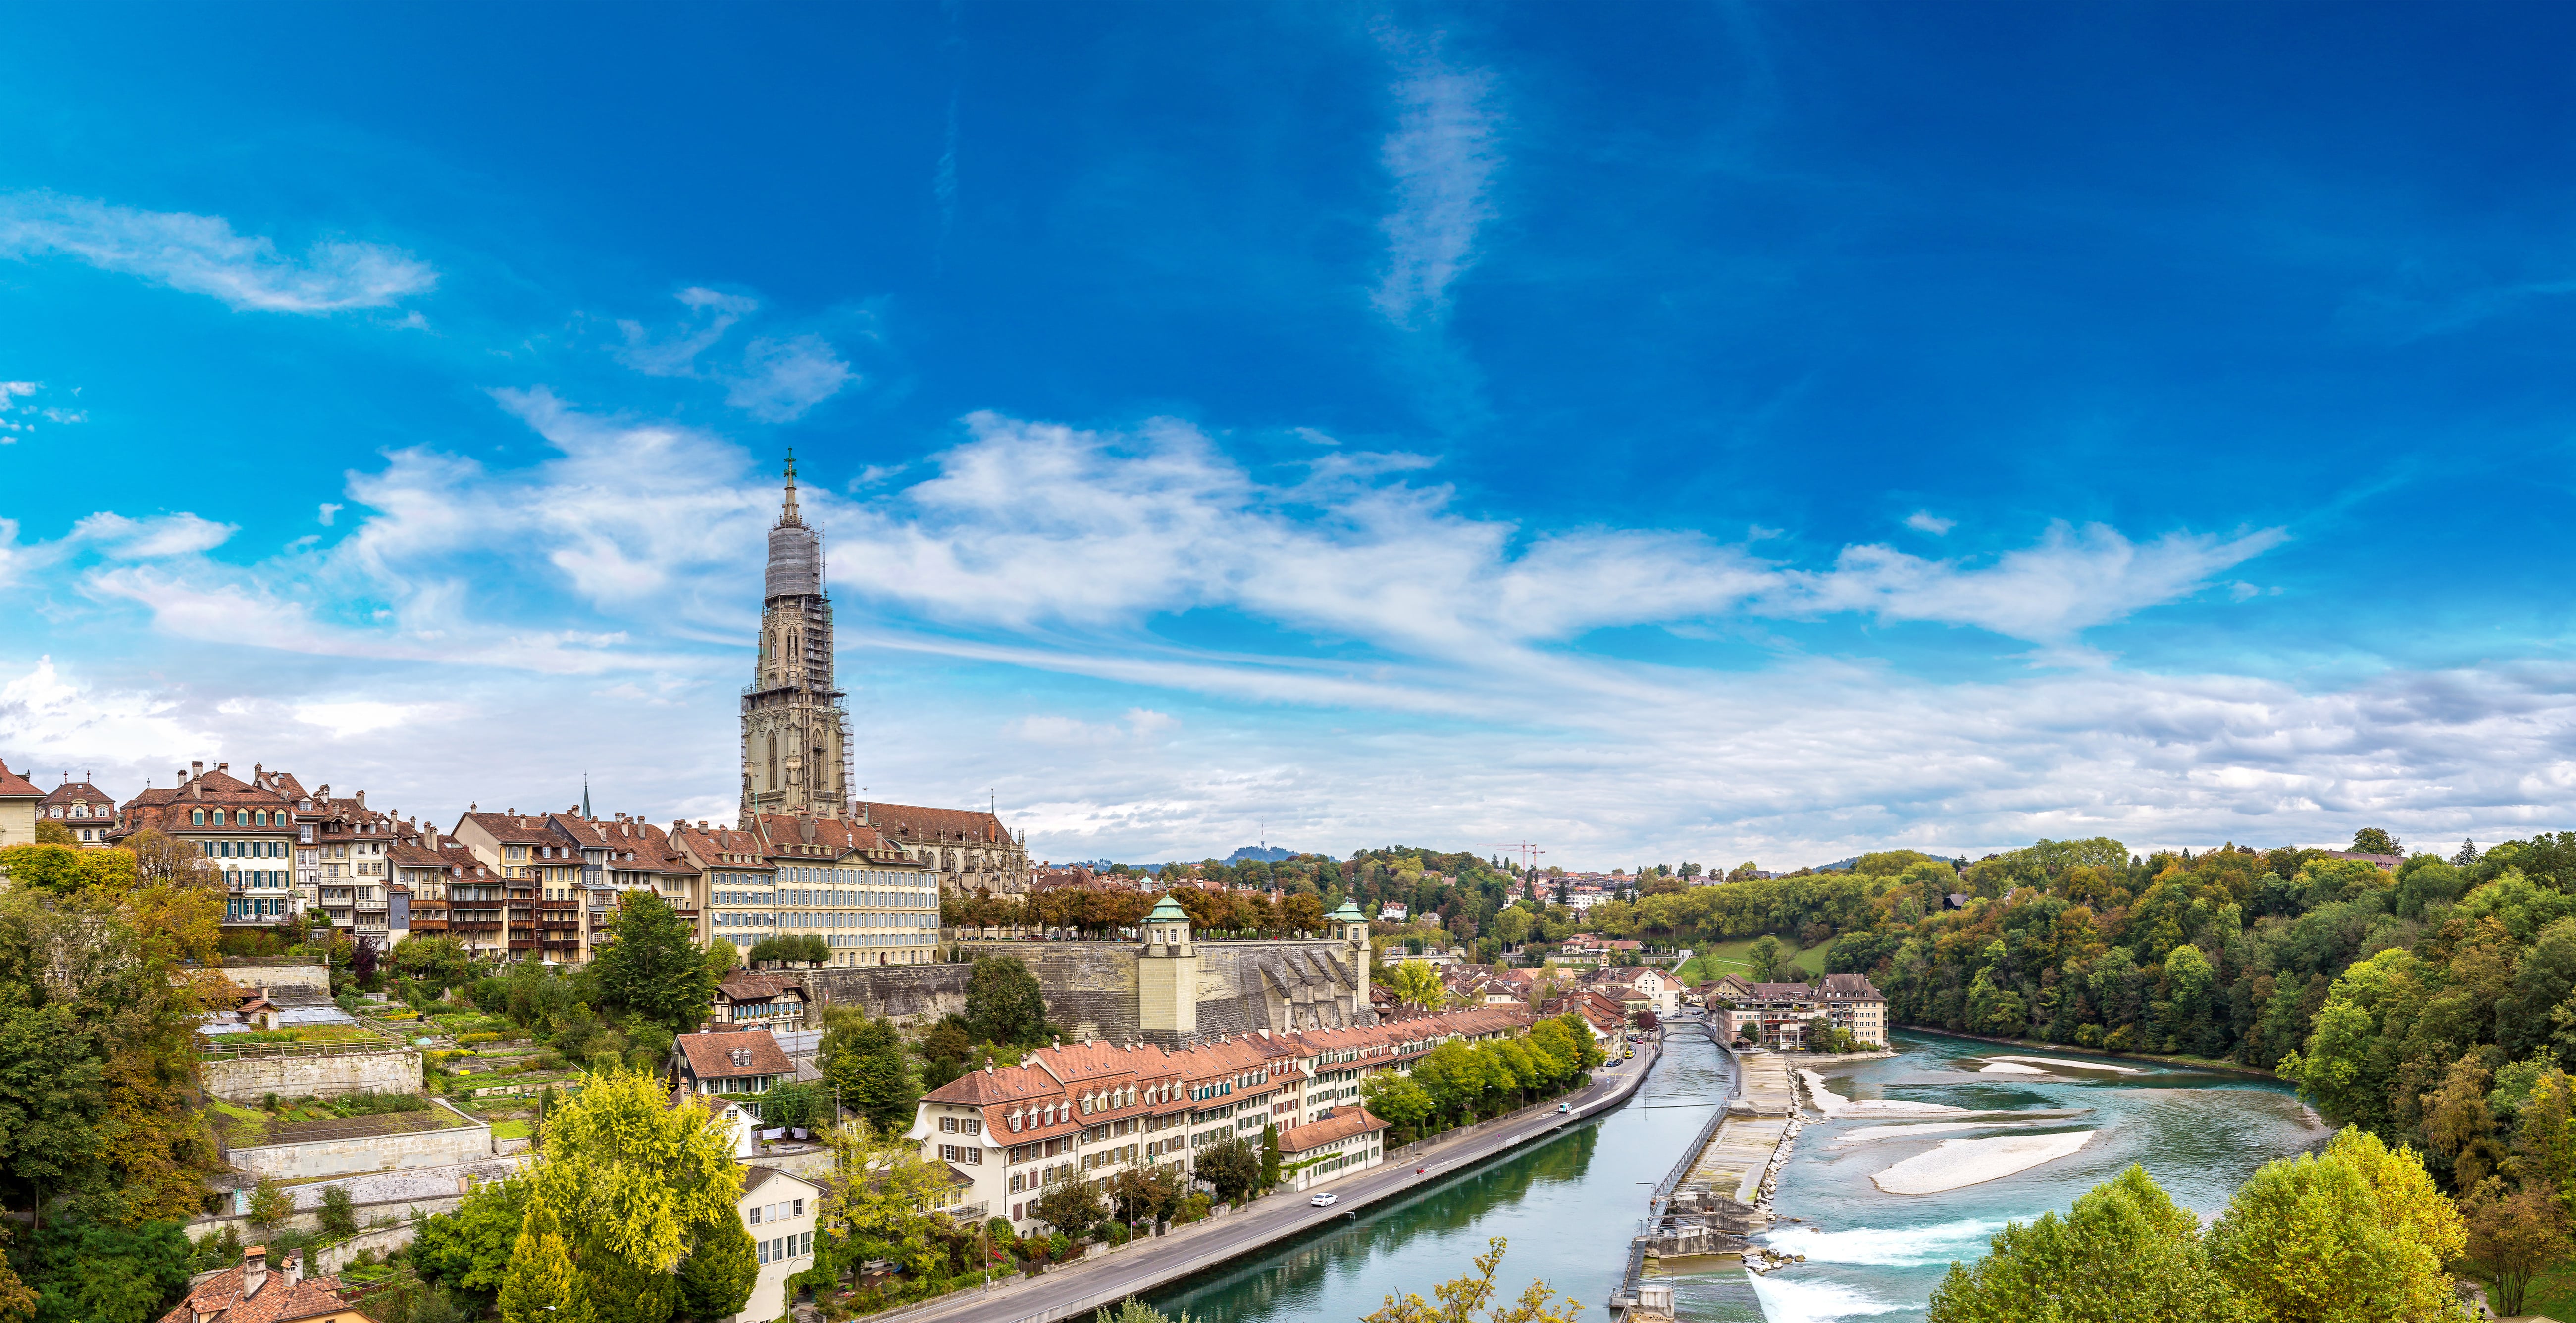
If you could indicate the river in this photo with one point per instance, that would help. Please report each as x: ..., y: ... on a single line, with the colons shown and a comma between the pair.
x: 1570, y: 1204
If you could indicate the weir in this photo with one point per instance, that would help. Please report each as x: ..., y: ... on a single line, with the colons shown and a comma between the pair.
x: 1718, y: 1194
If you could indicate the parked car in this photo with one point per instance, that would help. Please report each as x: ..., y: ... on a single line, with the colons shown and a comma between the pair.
x: 1565, y: 1107
x: 1325, y: 1200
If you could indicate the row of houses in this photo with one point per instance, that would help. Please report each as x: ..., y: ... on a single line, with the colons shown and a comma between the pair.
x: 541, y: 885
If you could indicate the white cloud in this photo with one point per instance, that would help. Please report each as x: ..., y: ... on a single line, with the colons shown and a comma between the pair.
x: 11, y: 428
x: 1930, y: 523
x: 1441, y: 157
x: 1453, y: 693
x: 202, y: 255
x: 713, y: 313
x: 1035, y: 525
x: 359, y: 716
x: 181, y: 534
x: 777, y: 379
x: 781, y: 379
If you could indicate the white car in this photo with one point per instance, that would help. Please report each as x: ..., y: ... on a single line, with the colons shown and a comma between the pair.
x: 1325, y: 1200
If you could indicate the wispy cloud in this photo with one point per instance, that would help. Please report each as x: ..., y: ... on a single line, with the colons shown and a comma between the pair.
x: 1928, y: 522
x: 776, y: 379
x: 202, y: 255
x: 712, y: 313
x: 781, y: 379
x: 1441, y: 159
x: 15, y: 398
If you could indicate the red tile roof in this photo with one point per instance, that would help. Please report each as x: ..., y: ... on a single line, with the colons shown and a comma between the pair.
x: 274, y: 1302
x: 1342, y: 1124
x: 912, y: 822
x: 710, y: 1056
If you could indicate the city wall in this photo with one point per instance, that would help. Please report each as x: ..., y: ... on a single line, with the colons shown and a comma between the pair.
x: 1091, y: 987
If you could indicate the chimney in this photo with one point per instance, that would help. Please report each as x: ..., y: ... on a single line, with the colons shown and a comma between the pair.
x: 197, y: 788
x: 197, y: 767
x: 362, y: 799
x: 294, y: 1268
x: 254, y: 1270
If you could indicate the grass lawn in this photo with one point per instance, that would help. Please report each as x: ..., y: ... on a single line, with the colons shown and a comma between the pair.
x: 1726, y: 958
x: 514, y: 1129
x: 2552, y: 1293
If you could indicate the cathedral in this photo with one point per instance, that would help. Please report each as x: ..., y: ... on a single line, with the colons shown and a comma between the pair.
x: 795, y: 728
x: 796, y: 731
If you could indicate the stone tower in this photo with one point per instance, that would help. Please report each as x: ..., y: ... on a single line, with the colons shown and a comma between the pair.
x: 795, y: 732
x: 1167, y: 976
x: 1352, y: 927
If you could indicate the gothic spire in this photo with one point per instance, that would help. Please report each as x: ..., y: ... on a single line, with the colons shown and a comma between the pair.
x: 788, y: 518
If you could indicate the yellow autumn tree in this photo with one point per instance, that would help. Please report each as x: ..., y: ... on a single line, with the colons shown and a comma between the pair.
x: 883, y: 1189
x: 542, y: 1285
x: 633, y: 1172
x: 1459, y: 1299
x: 1416, y: 983
x: 2356, y: 1234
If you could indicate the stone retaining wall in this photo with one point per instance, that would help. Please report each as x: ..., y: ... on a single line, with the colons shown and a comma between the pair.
x: 248, y: 1079
x: 346, y: 1157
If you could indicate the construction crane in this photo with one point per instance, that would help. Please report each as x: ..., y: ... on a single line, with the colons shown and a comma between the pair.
x: 1529, y: 853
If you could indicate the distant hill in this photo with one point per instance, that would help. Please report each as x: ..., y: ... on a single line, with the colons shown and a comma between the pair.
x: 1270, y: 854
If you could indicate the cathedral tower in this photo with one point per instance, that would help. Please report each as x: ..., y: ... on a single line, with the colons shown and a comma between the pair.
x: 795, y: 732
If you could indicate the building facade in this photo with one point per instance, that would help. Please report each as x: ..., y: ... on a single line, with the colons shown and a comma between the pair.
x: 246, y: 830
x: 84, y: 810
x: 1785, y: 1015
x: 795, y: 729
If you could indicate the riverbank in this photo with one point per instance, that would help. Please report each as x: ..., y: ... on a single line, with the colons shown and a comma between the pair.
x: 1102, y: 1279
x: 2069, y: 1049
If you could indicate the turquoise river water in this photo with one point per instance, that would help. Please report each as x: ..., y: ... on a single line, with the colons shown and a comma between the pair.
x: 1570, y: 1204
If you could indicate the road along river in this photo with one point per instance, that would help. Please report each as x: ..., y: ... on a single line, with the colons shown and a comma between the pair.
x: 1570, y: 1204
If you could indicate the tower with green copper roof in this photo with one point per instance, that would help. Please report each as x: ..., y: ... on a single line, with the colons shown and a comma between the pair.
x: 1351, y: 926
x: 1167, y: 974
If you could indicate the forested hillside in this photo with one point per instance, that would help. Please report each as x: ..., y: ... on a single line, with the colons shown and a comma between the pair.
x: 2426, y: 1004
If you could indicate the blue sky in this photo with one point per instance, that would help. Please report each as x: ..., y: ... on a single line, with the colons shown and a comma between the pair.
x: 1659, y: 433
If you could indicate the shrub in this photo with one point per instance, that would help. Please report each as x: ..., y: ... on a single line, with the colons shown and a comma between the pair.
x: 339, y: 1221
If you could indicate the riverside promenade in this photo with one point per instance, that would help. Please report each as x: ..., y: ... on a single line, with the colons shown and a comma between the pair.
x: 1100, y: 1279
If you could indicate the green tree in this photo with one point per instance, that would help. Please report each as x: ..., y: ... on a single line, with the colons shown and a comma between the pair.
x: 1765, y: 958
x: 864, y: 1064
x: 89, y: 1273
x: 1398, y: 1101
x: 1269, y: 1157
x: 1512, y: 926
x: 2374, y: 840
x: 1231, y: 1167
x: 542, y: 1285
x: 270, y: 1205
x: 1003, y: 1003
x: 338, y: 1220
x: 944, y: 1051
x: 654, y: 968
x: 1073, y: 1207
x: 439, y: 962
x: 797, y: 1105
x: 2126, y: 1253
x: 469, y: 1249
x: 717, y: 1278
